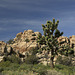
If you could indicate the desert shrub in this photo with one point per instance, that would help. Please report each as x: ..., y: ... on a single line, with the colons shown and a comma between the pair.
x: 53, y: 72
x: 18, y: 73
x: 10, y: 41
x: 65, y: 70
x: 36, y: 68
x: 33, y: 51
x: 5, y: 64
x: 41, y: 69
x: 13, y: 67
x: 18, y: 37
x: 24, y: 66
x: 60, y: 66
x: 42, y: 72
x: 1, y: 69
x: 64, y: 60
x: 13, y: 58
x: 31, y: 59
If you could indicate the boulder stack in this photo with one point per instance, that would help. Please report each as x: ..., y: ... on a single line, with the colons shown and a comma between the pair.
x: 25, y: 41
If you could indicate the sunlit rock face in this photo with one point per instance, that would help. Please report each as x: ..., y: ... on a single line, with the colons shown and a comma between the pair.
x: 72, y: 42
x: 25, y: 41
x: 63, y: 40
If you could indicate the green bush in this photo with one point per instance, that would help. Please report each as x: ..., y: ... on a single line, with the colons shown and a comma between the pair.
x: 9, y: 68
x: 53, y: 72
x: 13, y: 58
x: 41, y: 69
x: 64, y: 60
x: 34, y: 51
x: 65, y: 70
x: 1, y: 69
x: 18, y: 73
x: 5, y: 64
x: 36, y: 68
x: 24, y: 66
x: 10, y: 41
x: 31, y: 59
x: 14, y: 67
x: 42, y: 72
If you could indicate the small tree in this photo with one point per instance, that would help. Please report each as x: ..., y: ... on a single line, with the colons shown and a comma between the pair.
x: 51, y: 33
x: 10, y: 41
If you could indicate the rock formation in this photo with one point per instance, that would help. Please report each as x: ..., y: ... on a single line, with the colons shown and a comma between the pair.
x: 72, y: 42
x: 27, y: 41
x: 63, y: 40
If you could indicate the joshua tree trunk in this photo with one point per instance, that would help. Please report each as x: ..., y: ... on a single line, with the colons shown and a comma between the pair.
x: 51, y: 60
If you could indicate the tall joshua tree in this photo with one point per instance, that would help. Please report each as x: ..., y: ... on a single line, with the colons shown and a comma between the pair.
x: 51, y: 33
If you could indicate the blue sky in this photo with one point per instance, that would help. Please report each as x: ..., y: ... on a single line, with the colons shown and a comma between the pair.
x: 19, y: 15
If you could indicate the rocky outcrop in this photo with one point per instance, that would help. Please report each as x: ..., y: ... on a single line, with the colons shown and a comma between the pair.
x: 72, y: 42
x: 73, y: 61
x: 63, y: 40
x: 44, y: 57
x: 4, y: 49
x: 1, y: 58
x: 23, y: 42
x: 27, y: 40
x: 27, y: 34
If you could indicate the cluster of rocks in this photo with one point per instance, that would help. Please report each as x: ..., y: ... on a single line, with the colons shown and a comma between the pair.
x: 23, y: 42
x: 44, y: 57
x: 63, y: 40
x: 4, y: 48
x: 67, y: 41
x: 27, y: 41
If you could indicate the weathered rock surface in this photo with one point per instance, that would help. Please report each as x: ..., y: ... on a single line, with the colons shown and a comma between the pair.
x: 25, y: 41
x: 63, y: 40
x: 1, y: 58
x: 21, y: 44
x: 2, y: 47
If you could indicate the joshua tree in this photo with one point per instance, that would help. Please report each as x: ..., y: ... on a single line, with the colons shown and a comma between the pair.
x: 51, y: 33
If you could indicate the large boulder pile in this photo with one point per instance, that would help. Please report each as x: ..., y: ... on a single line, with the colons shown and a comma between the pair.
x: 25, y: 41
x: 72, y: 42
x: 67, y: 41
x: 2, y: 46
x: 4, y: 49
